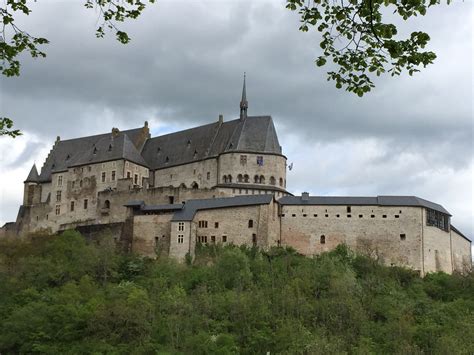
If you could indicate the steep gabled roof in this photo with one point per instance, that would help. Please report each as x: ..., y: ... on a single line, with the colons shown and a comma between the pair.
x: 110, y: 148
x: 254, y: 134
x: 66, y: 153
x: 402, y: 201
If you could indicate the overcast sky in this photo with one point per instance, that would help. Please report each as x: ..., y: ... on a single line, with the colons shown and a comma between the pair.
x: 184, y: 65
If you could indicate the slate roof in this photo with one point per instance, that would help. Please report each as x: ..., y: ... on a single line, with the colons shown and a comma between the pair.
x: 70, y: 152
x: 254, y: 134
x: 186, y: 211
x: 459, y: 232
x: 110, y: 148
x: 33, y: 175
x: 192, y: 206
x: 401, y: 201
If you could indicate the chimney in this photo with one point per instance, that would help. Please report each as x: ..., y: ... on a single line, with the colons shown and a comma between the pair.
x: 221, y: 119
x: 115, y: 132
x: 305, y: 197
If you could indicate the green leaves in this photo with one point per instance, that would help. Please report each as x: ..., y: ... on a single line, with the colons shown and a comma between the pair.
x: 5, y: 128
x: 360, y: 44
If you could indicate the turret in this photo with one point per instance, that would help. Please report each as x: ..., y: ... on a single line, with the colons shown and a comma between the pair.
x: 32, y: 188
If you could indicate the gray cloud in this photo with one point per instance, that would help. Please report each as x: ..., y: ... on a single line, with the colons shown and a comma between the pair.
x: 184, y: 66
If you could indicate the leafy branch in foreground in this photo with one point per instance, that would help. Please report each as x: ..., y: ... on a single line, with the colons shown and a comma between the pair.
x: 5, y: 128
x: 360, y: 43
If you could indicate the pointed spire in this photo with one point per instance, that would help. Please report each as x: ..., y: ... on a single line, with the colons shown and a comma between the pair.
x: 243, y: 103
x: 33, y: 175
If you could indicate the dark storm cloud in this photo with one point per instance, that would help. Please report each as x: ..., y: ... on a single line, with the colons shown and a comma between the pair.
x: 185, y: 62
x: 184, y: 66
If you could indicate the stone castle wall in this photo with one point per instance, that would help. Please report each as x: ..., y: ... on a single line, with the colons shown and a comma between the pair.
x: 392, y: 235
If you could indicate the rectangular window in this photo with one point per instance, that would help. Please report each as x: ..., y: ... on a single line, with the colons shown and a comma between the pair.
x: 243, y: 160
x: 103, y: 176
x: 72, y: 206
x: 202, y: 224
x: 348, y: 209
x: 180, y: 238
x: 260, y: 160
x: 129, y: 174
x: 58, y: 196
x: 403, y: 236
x: 135, y: 180
x: 180, y: 226
x: 224, y: 239
x: 58, y: 209
x: 216, y: 225
x: 208, y: 177
x: 89, y: 168
x: 113, y: 175
x: 86, y: 202
x: 60, y: 180
x: 213, y: 239
x: 254, y: 239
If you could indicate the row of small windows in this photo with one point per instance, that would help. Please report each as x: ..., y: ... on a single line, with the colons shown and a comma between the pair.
x: 437, y: 219
x: 257, y: 179
x: 204, y: 224
x: 338, y: 215
x: 72, y: 206
x: 202, y: 239
x: 322, y: 238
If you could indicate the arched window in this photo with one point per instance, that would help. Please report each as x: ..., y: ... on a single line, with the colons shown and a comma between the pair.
x: 182, y: 185
x: 195, y: 185
x: 246, y: 178
x: 262, y: 179
x: 322, y: 239
x: 229, y: 178
x: 224, y: 179
x: 107, y: 204
x: 272, y: 180
x: 281, y: 181
x: 256, y: 179
x: 250, y: 223
x: 239, y: 178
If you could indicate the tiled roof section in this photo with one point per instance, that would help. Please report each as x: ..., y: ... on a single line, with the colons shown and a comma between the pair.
x: 66, y: 153
x: 179, y: 147
x: 254, y: 134
x: 163, y: 208
x: 110, y: 148
x: 459, y: 232
x: 402, y: 201
x: 33, y: 175
x: 192, y: 206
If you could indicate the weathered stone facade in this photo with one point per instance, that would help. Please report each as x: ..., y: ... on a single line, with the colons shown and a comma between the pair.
x: 224, y: 182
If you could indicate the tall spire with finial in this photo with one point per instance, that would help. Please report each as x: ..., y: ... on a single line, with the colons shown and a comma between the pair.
x: 243, y: 103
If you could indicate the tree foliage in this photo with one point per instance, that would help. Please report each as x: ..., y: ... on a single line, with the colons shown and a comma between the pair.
x: 360, y: 43
x: 229, y: 300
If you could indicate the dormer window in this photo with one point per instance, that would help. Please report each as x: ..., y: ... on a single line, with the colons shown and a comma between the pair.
x: 95, y: 151
x: 167, y: 160
x: 158, y: 150
x: 110, y: 147
x: 188, y: 143
x: 68, y: 157
x: 195, y: 154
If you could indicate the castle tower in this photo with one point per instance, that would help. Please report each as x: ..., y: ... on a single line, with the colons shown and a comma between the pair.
x: 243, y: 103
x: 32, y: 192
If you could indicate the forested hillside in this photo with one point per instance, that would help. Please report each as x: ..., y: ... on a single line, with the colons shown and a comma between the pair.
x: 63, y: 295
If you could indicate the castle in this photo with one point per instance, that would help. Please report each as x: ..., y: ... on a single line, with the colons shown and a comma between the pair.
x: 224, y: 182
